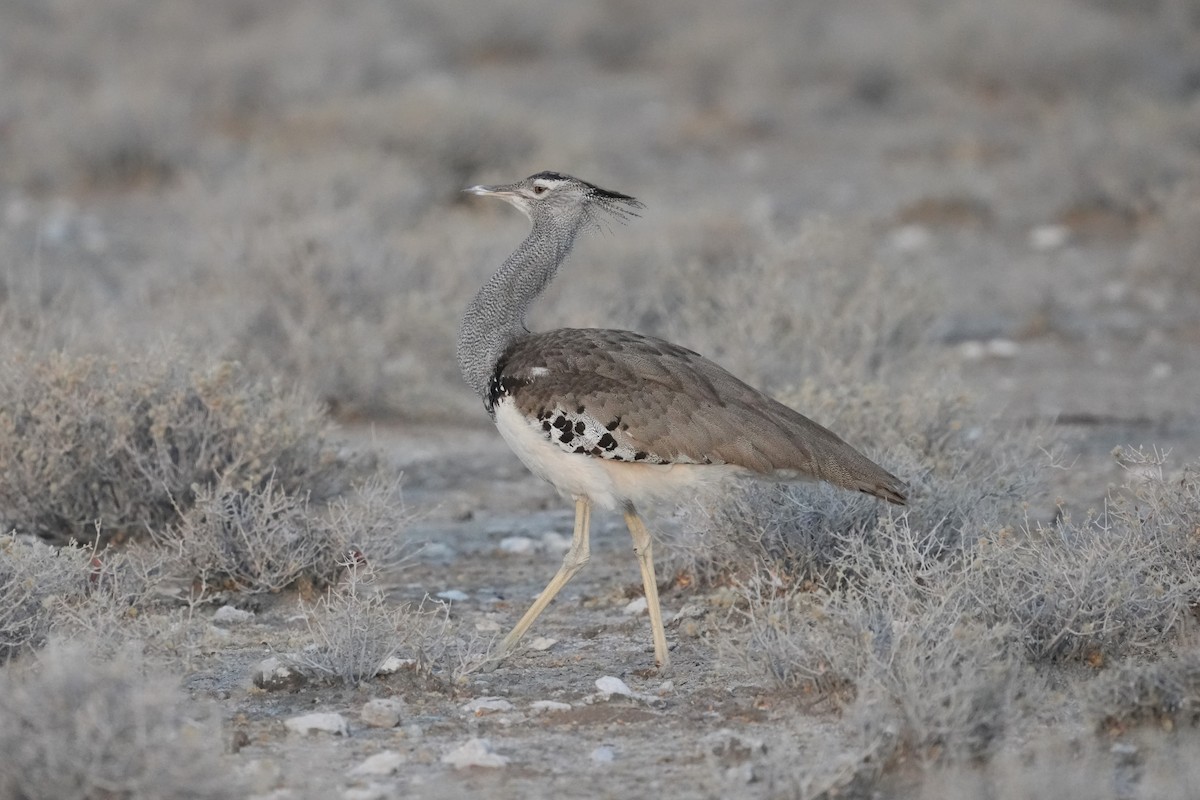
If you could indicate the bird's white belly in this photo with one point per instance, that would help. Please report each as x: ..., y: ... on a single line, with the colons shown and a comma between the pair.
x: 607, y: 483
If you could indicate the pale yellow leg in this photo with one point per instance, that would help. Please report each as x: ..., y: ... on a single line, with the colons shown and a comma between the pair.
x: 644, y: 549
x: 573, y: 561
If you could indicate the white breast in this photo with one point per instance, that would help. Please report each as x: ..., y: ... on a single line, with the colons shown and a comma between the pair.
x: 607, y: 483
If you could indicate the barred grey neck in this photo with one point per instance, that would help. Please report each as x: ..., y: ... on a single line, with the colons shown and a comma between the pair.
x: 496, y: 317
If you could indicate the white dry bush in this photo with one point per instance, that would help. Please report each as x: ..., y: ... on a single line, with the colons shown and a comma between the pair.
x: 1116, y: 584
x: 260, y: 539
x: 1162, y: 693
x: 76, y: 726
x: 354, y: 629
x: 899, y: 643
x: 116, y: 448
x: 34, y: 578
x: 110, y: 596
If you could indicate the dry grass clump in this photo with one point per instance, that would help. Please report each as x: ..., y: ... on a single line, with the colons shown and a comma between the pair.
x: 113, y: 449
x: 343, y: 325
x: 354, y: 630
x: 821, y: 303
x: 33, y: 578
x: 900, y: 644
x: 77, y: 727
x: 1164, y: 693
x: 261, y: 539
x: 1116, y: 584
x: 110, y: 596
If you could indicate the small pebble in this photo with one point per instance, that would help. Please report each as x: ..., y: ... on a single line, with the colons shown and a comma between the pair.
x: 1045, y: 238
x: 1003, y: 348
x: 272, y: 675
x: 542, y: 643
x: 383, y: 763
x: 910, y: 238
x: 636, y: 606
x: 610, y: 685
x: 259, y: 775
x: 487, y: 626
x: 228, y: 615
x: 381, y: 712
x: 555, y: 542
x: 438, y: 553
x: 318, y: 722
x: 518, y: 545
x: 487, y: 705
x: 392, y: 664
x: 454, y: 595
x: 544, y: 706
x: 604, y: 754
x: 474, y: 753
x: 372, y: 791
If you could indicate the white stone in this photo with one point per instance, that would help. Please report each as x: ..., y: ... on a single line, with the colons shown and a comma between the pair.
x: 474, y: 753
x: 610, y: 685
x: 604, y: 754
x: 259, y: 775
x: 555, y: 542
x: 228, y: 615
x: 487, y: 626
x: 454, y: 595
x: 438, y: 552
x: 273, y: 675
x: 382, y: 712
x: 1045, y: 238
x: 910, y: 238
x: 392, y: 664
x: 318, y: 722
x: 636, y: 606
x: 487, y: 705
x: 972, y: 350
x: 278, y: 794
x: 383, y: 763
x: 372, y: 791
x: 1003, y: 348
x: 518, y: 545
x: 542, y: 643
x: 544, y: 706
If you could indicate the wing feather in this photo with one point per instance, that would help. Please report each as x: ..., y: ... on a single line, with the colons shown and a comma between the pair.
x: 662, y: 403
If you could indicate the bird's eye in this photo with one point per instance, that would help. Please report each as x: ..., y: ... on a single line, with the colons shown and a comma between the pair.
x: 539, y: 189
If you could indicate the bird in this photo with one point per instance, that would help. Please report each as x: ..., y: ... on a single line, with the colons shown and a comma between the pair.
x: 618, y: 420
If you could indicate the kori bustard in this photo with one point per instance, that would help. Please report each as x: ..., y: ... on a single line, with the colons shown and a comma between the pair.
x: 616, y: 419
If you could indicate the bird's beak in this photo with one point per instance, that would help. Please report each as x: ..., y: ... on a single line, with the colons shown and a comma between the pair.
x: 489, y: 190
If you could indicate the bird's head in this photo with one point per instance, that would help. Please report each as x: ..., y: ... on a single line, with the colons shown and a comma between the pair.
x: 562, y: 199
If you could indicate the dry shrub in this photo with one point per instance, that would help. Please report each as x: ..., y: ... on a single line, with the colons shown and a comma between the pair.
x: 33, y: 577
x: 113, y: 449
x: 74, y: 726
x: 1116, y: 584
x: 257, y: 539
x: 900, y: 643
x: 343, y: 324
x: 110, y: 596
x: 354, y: 630
x: 1164, y: 693
x: 773, y: 304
